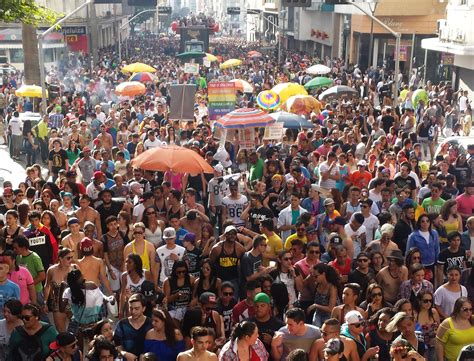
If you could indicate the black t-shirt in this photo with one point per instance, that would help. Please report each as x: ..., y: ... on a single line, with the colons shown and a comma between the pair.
x: 257, y: 215
x: 401, y: 182
x: 269, y: 327
x: 226, y: 313
x: 387, y: 122
x: 448, y: 258
x: 113, y: 210
x: 58, y: 160
x: 363, y: 279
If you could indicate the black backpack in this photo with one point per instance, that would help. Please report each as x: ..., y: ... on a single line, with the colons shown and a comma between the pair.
x: 30, y: 348
x: 467, y: 353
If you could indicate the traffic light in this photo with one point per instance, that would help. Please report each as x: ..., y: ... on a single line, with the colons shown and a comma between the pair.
x: 296, y: 3
x: 147, y: 3
x: 164, y: 9
x: 233, y: 10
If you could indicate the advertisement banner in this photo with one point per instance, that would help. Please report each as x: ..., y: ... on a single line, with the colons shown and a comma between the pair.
x: 191, y: 68
x: 274, y: 132
x: 222, y: 98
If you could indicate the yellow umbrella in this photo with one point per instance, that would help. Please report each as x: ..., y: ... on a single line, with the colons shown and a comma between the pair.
x: 230, y: 63
x: 286, y: 90
x: 138, y: 68
x: 32, y: 91
x: 211, y: 57
x: 130, y: 88
x: 302, y: 105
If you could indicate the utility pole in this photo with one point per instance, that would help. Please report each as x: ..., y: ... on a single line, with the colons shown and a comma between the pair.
x: 40, y: 52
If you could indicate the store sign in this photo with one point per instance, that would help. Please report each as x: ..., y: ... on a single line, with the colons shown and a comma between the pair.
x: 403, y: 53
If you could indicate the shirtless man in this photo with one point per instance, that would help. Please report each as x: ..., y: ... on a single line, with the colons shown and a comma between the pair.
x: 200, y: 339
x: 331, y: 328
x: 105, y: 139
x: 392, y: 276
x: 55, y: 285
x: 61, y: 217
x: 98, y: 246
x: 193, y: 221
x: 93, y: 268
x: 73, y: 239
x: 87, y: 213
x: 191, y: 204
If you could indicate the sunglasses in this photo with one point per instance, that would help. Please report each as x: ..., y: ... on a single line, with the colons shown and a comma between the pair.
x: 466, y: 309
x: 364, y: 206
x: 228, y: 293
x: 363, y: 260
x: 27, y: 317
x: 428, y: 300
x: 287, y: 259
x: 358, y: 324
x: 314, y: 252
x: 69, y: 258
x: 376, y: 294
x: 150, y: 213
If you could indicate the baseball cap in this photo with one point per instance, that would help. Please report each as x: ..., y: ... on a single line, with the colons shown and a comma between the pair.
x: 62, y: 339
x: 340, y: 221
x: 362, y: 163
x: 71, y: 173
x: 352, y: 317
x: 230, y: 229
x: 189, y: 237
x: 147, y: 289
x: 169, y: 233
x: 334, y: 238
x: 88, y: 223
x: 233, y: 183
x: 262, y: 298
x: 311, y: 229
x: 98, y: 174
x: 328, y: 202
x: 7, y: 191
x: 334, y: 346
x: 86, y: 244
x: 219, y: 168
x: 207, y: 297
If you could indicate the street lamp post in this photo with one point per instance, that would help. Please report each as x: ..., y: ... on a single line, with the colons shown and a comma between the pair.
x: 124, y: 25
x: 40, y: 50
x: 397, y: 36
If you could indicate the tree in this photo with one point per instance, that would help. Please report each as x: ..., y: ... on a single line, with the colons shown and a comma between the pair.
x: 26, y: 12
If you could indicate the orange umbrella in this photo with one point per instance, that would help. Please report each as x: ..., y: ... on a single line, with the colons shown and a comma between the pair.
x: 172, y: 158
x: 130, y: 88
x: 302, y: 105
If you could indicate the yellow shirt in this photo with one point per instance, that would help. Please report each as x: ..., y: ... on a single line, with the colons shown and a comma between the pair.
x: 274, y: 246
x: 144, y: 255
x: 454, y: 340
x: 292, y: 238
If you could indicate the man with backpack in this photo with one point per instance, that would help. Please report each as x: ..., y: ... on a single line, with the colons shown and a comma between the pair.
x: 31, y: 341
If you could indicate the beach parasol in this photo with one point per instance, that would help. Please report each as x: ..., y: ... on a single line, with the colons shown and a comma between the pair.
x: 244, y: 118
x: 242, y: 85
x: 337, y: 92
x: 231, y: 63
x: 143, y: 77
x: 302, y: 105
x: 32, y: 91
x: 286, y: 90
x: 254, y: 54
x: 419, y: 94
x: 130, y: 88
x: 291, y: 121
x: 211, y: 58
x: 137, y: 68
x: 172, y: 158
x: 268, y: 99
x: 318, y: 69
x: 319, y: 82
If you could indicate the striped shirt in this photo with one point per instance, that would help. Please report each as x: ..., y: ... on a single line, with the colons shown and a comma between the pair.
x: 55, y: 120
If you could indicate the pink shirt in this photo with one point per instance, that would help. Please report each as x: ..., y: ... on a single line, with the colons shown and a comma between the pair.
x: 23, y: 279
x: 465, y: 204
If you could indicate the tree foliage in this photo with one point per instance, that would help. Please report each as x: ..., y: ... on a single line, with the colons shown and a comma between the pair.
x: 27, y: 12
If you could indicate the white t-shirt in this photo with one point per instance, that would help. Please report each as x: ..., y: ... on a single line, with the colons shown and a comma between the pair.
x: 445, y: 299
x: 371, y: 223
x: 218, y: 189
x: 121, y: 168
x: 152, y: 144
x: 138, y: 211
x: 235, y: 207
x: 462, y: 103
x: 356, y: 241
x: 163, y: 254
x: 328, y: 183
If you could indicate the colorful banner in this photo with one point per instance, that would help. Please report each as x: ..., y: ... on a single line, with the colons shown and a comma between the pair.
x: 222, y: 98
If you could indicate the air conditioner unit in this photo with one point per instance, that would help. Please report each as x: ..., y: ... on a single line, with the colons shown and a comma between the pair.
x: 440, y: 24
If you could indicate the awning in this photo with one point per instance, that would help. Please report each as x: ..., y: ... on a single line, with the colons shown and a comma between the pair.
x: 19, y: 46
x: 447, y: 47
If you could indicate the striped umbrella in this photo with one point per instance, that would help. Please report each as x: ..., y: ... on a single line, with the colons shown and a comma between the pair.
x: 143, y: 77
x: 244, y: 118
x: 268, y: 99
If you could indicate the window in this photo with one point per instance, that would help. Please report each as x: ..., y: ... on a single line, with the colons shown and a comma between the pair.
x: 16, y: 55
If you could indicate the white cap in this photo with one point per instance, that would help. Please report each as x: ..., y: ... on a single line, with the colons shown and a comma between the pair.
x: 230, y: 229
x: 169, y: 233
x: 353, y: 317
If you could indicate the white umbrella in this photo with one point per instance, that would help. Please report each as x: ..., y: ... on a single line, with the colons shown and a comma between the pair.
x: 318, y: 69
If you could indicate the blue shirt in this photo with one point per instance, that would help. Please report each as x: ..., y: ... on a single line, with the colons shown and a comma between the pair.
x: 7, y: 291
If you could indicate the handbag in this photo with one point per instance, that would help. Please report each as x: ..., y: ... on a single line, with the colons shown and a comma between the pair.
x: 112, y: 306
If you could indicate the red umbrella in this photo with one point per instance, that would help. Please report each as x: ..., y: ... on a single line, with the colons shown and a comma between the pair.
x: 172, y: 158
x: 244, y: 118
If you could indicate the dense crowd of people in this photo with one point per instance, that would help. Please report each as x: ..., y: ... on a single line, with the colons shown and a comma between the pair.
x: 352, y: 240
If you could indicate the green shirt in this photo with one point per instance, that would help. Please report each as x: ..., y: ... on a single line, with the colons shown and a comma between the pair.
x: 431, y: 206
x: 256, y: 170
x: 34, y: 264
x: 48, y: 336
